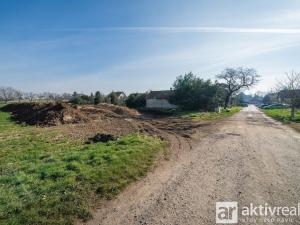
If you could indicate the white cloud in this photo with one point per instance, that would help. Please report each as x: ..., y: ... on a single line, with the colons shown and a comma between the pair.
x: 193, y: 29
x: 159, y: 71
x: 211, y: 29
x: 287, y: 17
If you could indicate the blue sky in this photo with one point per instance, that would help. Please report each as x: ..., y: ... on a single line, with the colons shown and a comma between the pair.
x: 137, y: 45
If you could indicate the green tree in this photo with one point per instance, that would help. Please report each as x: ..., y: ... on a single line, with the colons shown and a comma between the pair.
x: 74, y: 95
x: 80, y: 99
x: 92, y: 98
x: 97, y: 98
x: 193, y: 93
x: 239, y: 99
x: 136, y: 100
x: 77, y: 100
x: 112, y: 98
x: 267, y: 99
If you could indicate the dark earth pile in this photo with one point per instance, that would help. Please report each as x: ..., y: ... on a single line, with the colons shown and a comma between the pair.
x: 101, y: 138
x: 100, y: 123
x: 44, y: 114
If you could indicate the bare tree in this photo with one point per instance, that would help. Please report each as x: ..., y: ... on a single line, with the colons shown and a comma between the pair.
x: 44, y: 95
x: 52, y: 96
x: 274, y: 92
x: 66, y: 96
x: 30, y: 96
x: 18, y: 95
x: 290, y: 90
x: 7, y: 93
x: 235, y: 79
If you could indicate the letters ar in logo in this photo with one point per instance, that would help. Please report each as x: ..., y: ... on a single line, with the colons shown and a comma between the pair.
x: 226, y: 212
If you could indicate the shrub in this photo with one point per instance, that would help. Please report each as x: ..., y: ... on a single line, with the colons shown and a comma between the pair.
x: 99, y: 98
x: 112, y: 98
x: 81, y: 99
x: 193, y: 93
x: 136, y: 100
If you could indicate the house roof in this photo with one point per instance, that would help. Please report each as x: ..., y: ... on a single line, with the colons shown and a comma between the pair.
x: 118, y: 93
x: 165, y: 94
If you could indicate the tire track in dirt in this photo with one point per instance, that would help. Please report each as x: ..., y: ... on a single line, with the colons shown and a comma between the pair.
x: 242, y: 158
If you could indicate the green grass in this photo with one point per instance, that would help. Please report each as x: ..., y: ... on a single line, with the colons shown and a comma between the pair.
x: 284, y: 115
x: 47, y: 178
x: 208, y: 116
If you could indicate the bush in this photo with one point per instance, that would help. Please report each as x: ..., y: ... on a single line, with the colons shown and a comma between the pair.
x: 81, y: 99
x: 136, y: 100
x: 193, y: 93
x: 112, y: 98
x: 99, y: 98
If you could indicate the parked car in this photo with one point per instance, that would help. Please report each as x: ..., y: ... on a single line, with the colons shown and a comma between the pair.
x: 276, y: 106
x: 263, y: 105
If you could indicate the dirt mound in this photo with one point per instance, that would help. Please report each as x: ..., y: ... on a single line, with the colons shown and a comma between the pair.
x: 95, y: 113
x: 44, y: 114
x: 120, y: 110
x: 84, y: 122
x: 50, y: 114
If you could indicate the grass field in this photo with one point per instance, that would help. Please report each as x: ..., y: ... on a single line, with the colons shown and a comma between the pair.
x: 48, y: 178
x: 284, y: 115
x: 208, y: 116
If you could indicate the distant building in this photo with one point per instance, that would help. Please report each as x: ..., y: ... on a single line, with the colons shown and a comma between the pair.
x: 120, y: 94
x: 287, y: 95
x: 159, y: 100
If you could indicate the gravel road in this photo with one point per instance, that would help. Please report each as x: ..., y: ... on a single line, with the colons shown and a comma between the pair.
x: 247, y: 158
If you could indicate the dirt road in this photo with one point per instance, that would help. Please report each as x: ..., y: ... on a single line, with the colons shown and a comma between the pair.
x: 247, y: 158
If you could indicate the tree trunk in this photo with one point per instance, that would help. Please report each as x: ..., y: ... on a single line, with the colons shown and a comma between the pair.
x: 227, y: 101
x: 293, y: 112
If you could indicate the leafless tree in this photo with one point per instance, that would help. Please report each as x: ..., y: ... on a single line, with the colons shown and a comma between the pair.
x: 290, y: 90
x: 44, y: 95
x: 30, y: 96
x: 271, y: 96
x: 66, y: 96
x: 274, y: 92
x: 18, y: 95
x: 235, y: 79
x: 7, y: 93
x: 53, y: 96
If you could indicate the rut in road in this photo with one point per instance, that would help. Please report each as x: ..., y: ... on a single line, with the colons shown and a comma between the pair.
x: 248, y: 158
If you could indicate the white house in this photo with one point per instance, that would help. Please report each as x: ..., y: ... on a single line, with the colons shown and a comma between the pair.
x: 120, y: 94
x: 159, y: 100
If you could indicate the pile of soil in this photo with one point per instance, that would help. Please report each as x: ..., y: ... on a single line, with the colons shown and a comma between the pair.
x: 44, y: 114
x: 102, y: 123
x: 94, y: 113
x: 120, y: 110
